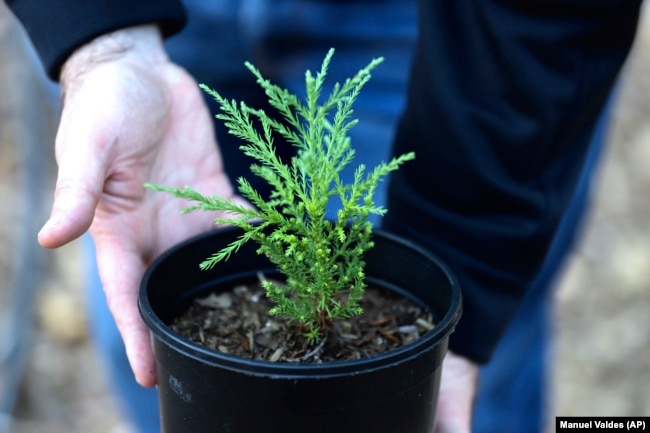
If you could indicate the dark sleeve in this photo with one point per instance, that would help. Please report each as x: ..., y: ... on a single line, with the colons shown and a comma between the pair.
x: 503, y: 100
x: 58, y: 27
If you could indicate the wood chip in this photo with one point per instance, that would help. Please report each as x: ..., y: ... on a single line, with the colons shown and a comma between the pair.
x: 251, y: 341
x: 425, y: 324
x: 223, y: 300
x: 383, y: 321
x: 276, y: 355
x: 408, y: 329
x: 390, y: 336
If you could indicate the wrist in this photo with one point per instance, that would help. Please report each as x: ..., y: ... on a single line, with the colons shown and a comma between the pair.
x: 144, y: 43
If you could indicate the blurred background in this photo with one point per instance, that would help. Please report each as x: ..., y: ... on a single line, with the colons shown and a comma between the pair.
x: 50, y: 380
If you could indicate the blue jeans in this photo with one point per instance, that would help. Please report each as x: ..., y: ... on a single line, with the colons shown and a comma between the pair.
x: 284, y: 38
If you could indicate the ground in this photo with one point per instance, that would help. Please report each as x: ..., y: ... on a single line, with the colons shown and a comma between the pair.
x: 601, y: 365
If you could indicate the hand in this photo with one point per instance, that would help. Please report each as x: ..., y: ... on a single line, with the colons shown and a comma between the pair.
x: 457, y: 392
x: 130, y: 116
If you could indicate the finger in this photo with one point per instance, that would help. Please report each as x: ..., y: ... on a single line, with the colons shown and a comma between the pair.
x: 83, y: 159
x: 457, y: 392
x: 121, y: 271
x: 72, y: 211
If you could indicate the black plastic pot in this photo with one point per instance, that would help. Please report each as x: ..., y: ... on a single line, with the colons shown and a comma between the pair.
x: 204, y: 391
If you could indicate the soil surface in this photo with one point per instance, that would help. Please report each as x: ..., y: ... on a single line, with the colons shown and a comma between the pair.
x: 601, y: 365
x: 238, y: 322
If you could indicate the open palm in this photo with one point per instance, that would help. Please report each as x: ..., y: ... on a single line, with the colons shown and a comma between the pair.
x: 124, y: 123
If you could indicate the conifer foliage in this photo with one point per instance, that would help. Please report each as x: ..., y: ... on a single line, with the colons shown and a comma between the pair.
x: 322, y: 259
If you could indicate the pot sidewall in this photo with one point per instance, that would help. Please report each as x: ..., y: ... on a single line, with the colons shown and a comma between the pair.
x: 204, y: 391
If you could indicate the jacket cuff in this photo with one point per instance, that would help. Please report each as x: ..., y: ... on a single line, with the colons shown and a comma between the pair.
x: 58, y: 27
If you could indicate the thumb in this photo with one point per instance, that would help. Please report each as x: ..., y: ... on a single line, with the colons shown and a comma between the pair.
x: 79, y: 184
